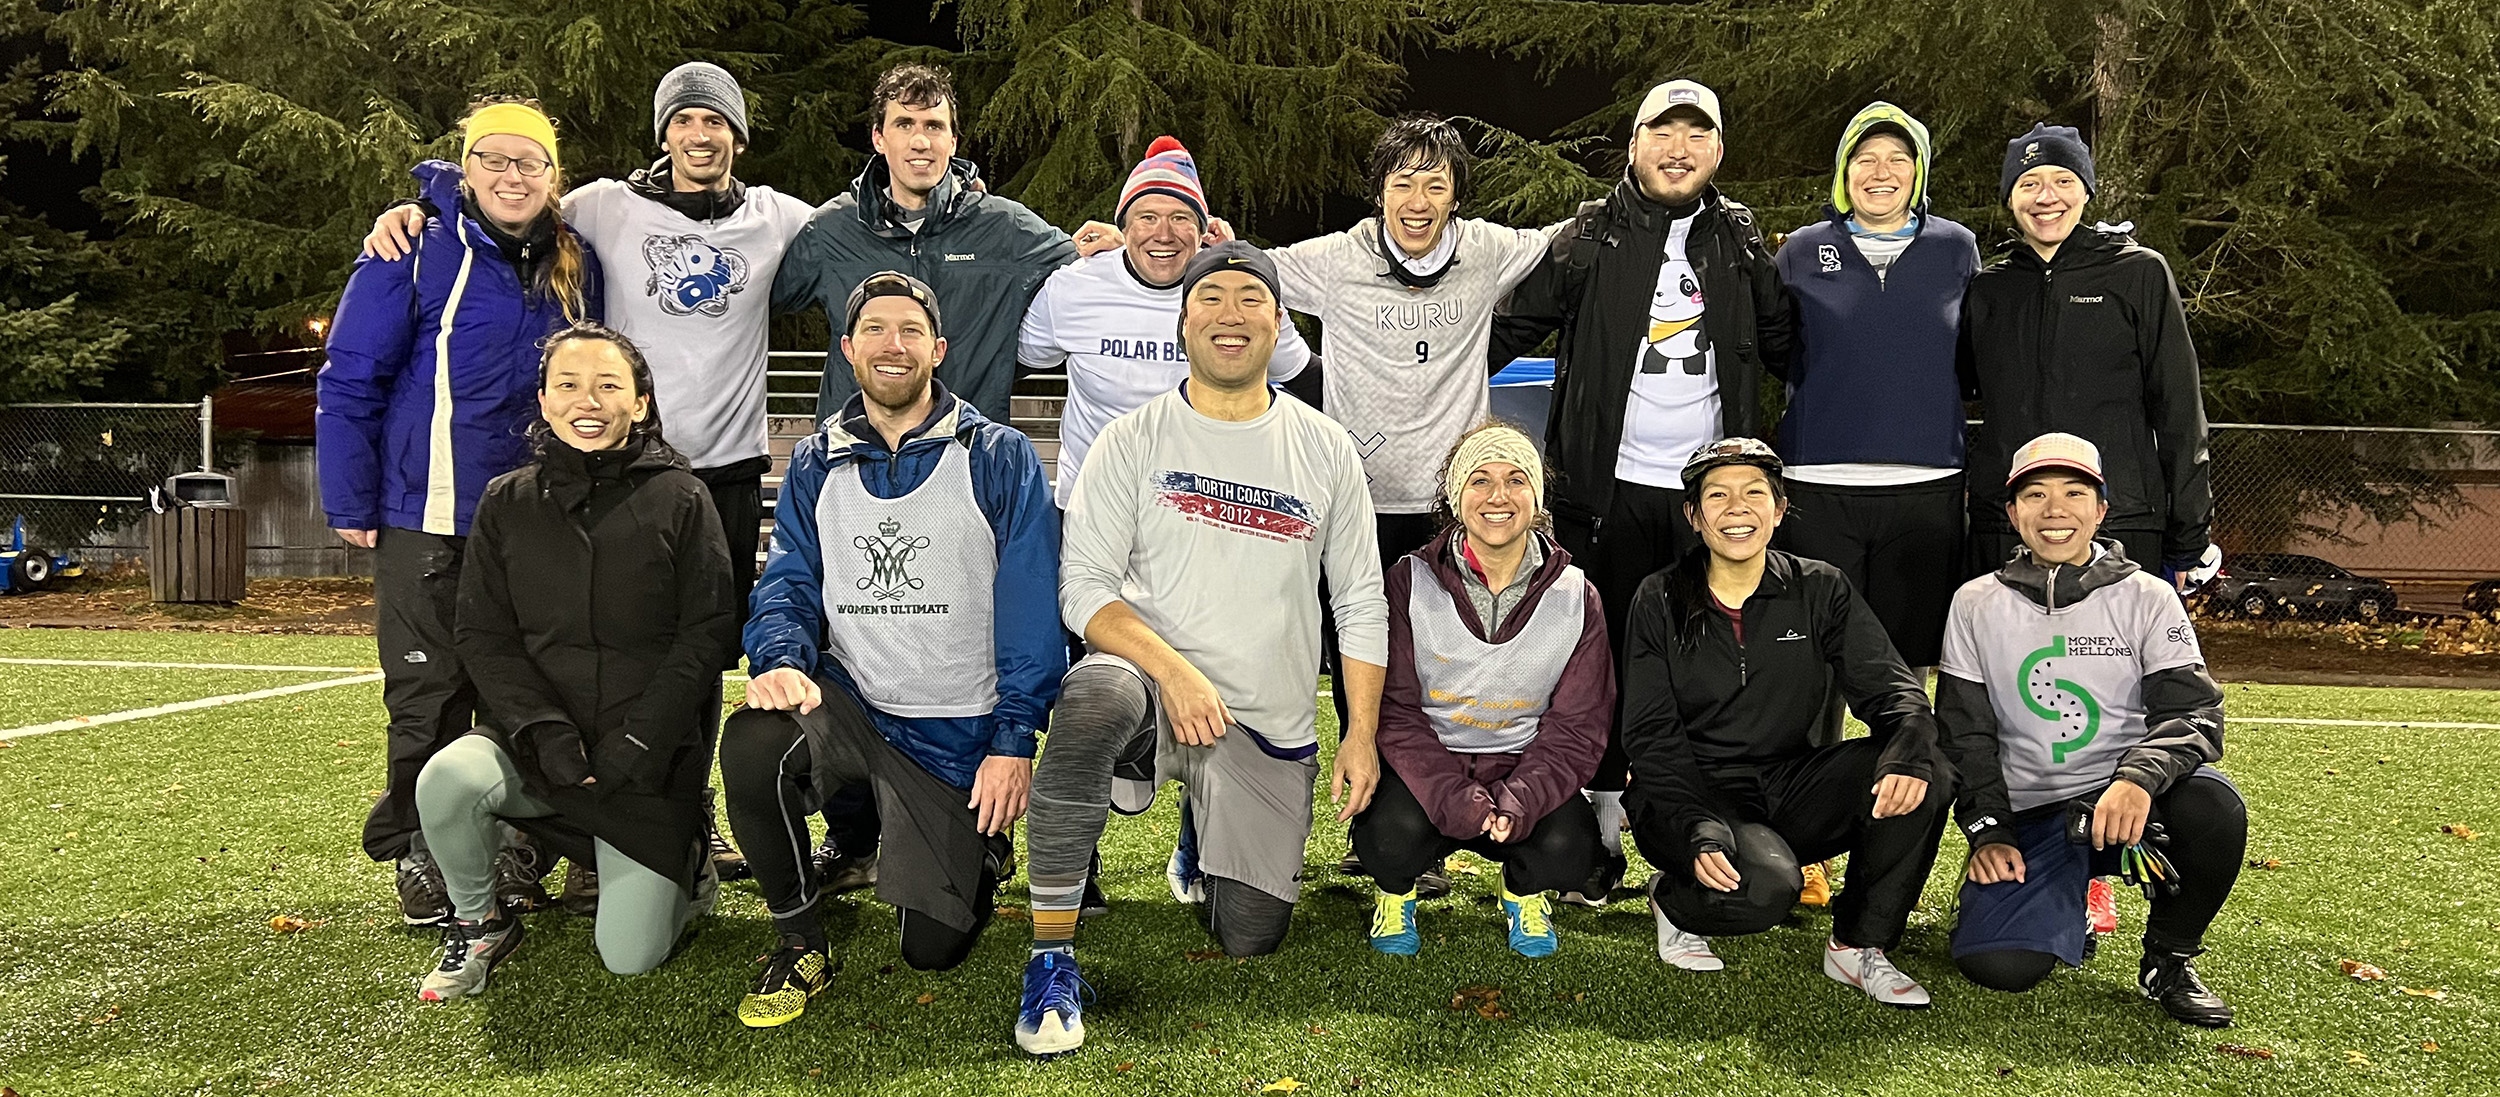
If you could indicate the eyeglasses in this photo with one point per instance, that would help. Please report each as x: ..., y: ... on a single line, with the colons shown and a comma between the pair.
x: 496, y: 161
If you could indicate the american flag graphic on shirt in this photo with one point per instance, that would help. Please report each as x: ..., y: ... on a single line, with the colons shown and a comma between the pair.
x: 1255, y: 510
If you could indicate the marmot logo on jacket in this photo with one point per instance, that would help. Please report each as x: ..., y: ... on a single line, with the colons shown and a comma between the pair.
x: 2060, y: 700
x: 1262, y: 512
x: 689, y: 275
x: 887, y: 552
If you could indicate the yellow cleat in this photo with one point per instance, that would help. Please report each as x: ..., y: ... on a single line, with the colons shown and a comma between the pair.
x: 793, y: 974
x: 1818, y: 889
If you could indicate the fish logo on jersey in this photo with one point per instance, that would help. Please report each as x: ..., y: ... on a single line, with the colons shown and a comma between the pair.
x: 689, y: 275
x: 1676, y: 338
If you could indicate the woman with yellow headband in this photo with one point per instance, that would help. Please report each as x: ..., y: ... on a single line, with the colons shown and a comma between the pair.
x: 428, y: 393
x: 1500, y: 690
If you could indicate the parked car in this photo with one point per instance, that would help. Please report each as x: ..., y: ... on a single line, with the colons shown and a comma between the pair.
x: 2483, y: 599
x: 2284, y: 584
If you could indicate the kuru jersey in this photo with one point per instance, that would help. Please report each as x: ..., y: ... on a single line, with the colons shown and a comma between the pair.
x: 1406, y: 366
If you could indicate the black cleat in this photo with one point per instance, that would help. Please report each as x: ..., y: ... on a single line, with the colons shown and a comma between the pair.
x: 581, y: 889
x: 1601, y: 885
x: 423, y: 903
x: 726, y: 860
x: 518, y: 878
x: 1094, y: 904
x: 1434, y: 882
x: 838, y: 872
x: 2170, y: 979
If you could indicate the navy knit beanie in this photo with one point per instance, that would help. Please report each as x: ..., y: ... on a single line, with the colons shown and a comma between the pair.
x: 698, y: 84
x: 2046, y: 146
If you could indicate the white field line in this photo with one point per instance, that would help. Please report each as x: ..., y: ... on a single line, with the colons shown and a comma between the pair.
x: 2228, y: 720
x: 182, y: 706
x: 125, y: 665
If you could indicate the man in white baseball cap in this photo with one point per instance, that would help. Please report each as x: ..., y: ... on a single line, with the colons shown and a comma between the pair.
x: 1669, y: 310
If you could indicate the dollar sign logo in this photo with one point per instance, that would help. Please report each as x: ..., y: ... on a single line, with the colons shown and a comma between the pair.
x: 2056, y: 699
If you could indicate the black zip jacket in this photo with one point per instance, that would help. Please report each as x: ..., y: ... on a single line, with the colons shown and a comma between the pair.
x: 2093, y: 343
x: 2182, y: 709
x: 1595, y: 287
x: 1698, y: 703
x: 596, y: 597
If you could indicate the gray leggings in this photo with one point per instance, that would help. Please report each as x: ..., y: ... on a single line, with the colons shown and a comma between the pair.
x: 463, y: 796
x: 1102, y: 714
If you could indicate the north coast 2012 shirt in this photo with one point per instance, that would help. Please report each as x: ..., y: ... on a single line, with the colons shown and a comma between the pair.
x: 1217, y: 534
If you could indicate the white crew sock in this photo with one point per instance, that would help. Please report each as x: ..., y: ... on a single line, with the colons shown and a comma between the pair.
x: 1609, y: 807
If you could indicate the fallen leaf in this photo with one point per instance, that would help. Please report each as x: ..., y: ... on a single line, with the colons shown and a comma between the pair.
x: 2355, y: 1058
x: 1484, y: 1000
x: 2433, y: 993
x: 2362, y: 971
x: 2005, y: 1072
x: 2460, y: 830
x: 2331, y: 773
x: 1012, y: 913
x: 288, y: 923
x: 1215, y: 1051
x: 2430, y: 1045
x: 175, y: 787
x: 2244, y: 1051
x: 815, y: 1072
x: 1197, y: 1025
x: 1569, y: 996
x: 1462, y: 868
x: 1124, y: 1067
x: 2268, y: 863
x: 1282, y: 1085
x: 1197, y: 954
x: 110, y: 1016
x: 1318, y: 1031
x: 926, y: 997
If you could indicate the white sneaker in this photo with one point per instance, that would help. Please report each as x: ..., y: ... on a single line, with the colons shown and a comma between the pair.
x: 1868, y: 969
x: 1689, y: 951
x: 1188, y: 887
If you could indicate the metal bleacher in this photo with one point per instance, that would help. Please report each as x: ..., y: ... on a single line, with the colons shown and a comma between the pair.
x: 790, y: 407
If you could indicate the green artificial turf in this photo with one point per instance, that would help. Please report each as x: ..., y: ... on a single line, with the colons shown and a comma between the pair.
x: 141, y: 863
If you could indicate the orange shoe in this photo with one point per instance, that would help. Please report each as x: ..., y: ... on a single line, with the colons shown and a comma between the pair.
x: 1818, y: 889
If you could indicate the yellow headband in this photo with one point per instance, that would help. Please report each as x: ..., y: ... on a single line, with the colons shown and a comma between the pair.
x: 514, y: 119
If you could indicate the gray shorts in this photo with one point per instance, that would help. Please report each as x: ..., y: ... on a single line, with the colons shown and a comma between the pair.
x: 1252, y: 809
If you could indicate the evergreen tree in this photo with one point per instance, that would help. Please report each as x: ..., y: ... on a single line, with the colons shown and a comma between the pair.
x: 1278, y: 100
x: 2316, y: 170
x: 248, y: 143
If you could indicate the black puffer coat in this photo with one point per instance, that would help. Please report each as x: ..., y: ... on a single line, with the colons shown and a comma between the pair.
x: 596, y: 595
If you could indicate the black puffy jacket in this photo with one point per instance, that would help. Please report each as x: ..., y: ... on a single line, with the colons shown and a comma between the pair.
x: 596, y: 595
x: 2093, y: 343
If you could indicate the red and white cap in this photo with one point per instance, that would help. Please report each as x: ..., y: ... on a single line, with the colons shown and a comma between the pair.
x: 2058, y: 451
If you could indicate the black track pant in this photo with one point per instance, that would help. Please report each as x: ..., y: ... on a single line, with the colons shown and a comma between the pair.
x: 942, y: 863
x: 430, y: 701
x: 1807, y: 809
x: 1644, y: 531
x: 1398, y: 842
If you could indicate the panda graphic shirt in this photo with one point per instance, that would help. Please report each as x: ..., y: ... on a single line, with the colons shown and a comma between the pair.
x: 1673, y: 407
x: 696, y: 297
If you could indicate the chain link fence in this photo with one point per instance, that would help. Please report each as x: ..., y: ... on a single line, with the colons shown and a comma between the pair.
x: 80, y: 473
x: 2417, y: 509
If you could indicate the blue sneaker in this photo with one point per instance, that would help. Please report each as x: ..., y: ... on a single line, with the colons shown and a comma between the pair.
x: 1393, y: 924
x: 1051, y: 1019
x: 1531, y: 919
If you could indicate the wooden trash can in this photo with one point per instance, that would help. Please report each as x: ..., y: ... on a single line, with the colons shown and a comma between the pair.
x: 195, y: 544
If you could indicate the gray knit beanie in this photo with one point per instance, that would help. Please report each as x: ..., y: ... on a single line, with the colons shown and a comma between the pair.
x: 698, y: 84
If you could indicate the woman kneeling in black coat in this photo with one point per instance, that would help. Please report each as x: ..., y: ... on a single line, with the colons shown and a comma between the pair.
x: 595, y: 613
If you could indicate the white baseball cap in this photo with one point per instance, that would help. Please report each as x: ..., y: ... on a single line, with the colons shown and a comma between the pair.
x: 1679, y: 93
